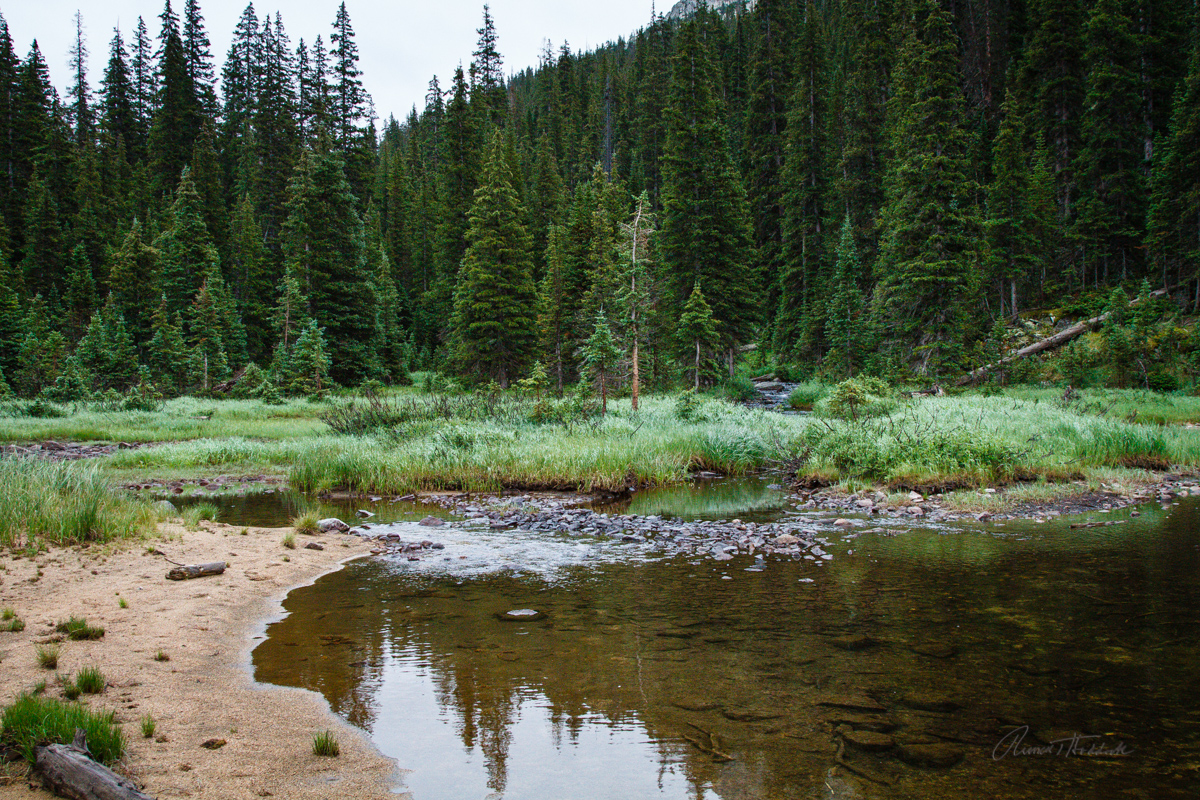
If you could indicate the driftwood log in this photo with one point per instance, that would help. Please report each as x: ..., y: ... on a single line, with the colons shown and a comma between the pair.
x: 68, y: 771
x: 1049, y: 343
x: 186, y: 572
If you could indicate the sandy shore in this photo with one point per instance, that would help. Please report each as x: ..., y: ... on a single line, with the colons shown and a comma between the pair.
x: 207, y: 627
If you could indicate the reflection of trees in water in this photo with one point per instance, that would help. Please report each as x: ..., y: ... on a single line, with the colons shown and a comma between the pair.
x: 643, y: 644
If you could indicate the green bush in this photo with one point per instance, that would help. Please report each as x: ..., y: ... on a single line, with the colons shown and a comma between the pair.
x: 33, y: 721
x: 859, y: 397
x: 740, y: 389
x: 689, y: 407
x: 807, y: 395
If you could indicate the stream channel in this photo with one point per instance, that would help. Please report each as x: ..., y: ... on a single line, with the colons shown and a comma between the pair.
x: 1012, y: 661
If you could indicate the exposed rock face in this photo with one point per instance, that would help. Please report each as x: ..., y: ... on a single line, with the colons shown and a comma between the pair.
x: 686, y: 8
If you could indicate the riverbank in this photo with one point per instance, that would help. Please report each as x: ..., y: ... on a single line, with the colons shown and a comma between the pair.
x: 206, y: 628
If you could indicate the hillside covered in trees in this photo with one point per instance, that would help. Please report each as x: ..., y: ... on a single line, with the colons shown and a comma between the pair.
x: 850, y: 185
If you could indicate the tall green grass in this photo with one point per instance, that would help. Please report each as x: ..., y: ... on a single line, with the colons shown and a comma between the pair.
x: 33, y: 721
x: 65, y: 503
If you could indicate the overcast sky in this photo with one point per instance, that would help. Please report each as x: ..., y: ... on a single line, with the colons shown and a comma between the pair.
x: 401, y: 43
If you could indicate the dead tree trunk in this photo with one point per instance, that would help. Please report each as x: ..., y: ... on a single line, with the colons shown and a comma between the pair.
x: 1049, y: 343
x: 189, y: 571
x: 68, y: 771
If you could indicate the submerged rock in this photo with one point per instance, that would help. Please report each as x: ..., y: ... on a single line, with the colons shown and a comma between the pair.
x: 929, y: 755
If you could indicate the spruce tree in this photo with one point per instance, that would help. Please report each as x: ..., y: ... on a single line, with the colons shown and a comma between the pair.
x: 208, y: 363
x: 324, y: 250
x: 601, y: 355
x: 459, y: 178
x: 167, y: 353
x: 705, y: 230
x: 106, y: 353
x: 493, y: 327
x: 641, y: 286
x: 133, y: 282
x: 177, y: 116
x: 145, y: 87
x: 42, y: 353
x: 80, y: 293
x: 698, y: 333
x: 43, y: 264
x: 118, y: 103
x: 12, y: 332
x: 929, y: 259
x: 188, y: 253
x: 846, y: 322
x: 80, y: 93
x: 554, y: 313
x: 350, y: 101
x: 310, y: 362
x: 487, y: 72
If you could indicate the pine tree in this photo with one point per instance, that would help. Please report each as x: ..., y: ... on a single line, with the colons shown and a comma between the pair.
x: 118, y: 101
x: 106, y: 353
x: 554, y: 314
x: 197, y: 52
x: 310, y: 362
x: 801, y: 277
x: 928, y: 264
x: 12, y: 319
x: 1111, y: 159
x: 324, y: 249
x: 43, y: 265
x: 250, y: 279
x: 487, y: 72
x: 698, y: 333
x: 459, y: 179
x: 80, y: 93
x: 167, y: 353
x: 177, y: 117
x: 187, y: 251
x: 133, y: 282
x: 209, y: 363
x: 495, y: 301
x: 80, y: 293
x: 705, y: 231
x: 845, y: 322
x: 350, y: 101
x: 601, y: 356
x: 42, y: 353
x: 145, y: 87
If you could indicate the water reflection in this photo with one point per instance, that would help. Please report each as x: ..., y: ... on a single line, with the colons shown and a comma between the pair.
x: 695, y: 680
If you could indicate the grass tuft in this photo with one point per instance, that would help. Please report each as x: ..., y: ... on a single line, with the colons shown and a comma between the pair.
x: 289, y: 540
x: 14, y: 625
x: 122, y: 602
x: 325, y: 744
x: 47, y: 656
x: 90, y: 681
x: 161, y: 656
x: 77, y: 629
x: 306, y: 523
x: 149, y: 726
x: 32, y: 721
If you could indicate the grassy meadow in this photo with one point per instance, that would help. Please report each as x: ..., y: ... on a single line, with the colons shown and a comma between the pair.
x: 410, y: 441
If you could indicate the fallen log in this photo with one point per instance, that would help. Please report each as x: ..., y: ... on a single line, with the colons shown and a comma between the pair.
x: 186, y: 572
x: 69, y: 771
x: 1049, y: 343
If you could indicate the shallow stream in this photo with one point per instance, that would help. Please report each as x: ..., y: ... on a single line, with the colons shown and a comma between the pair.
x: 894, y: 670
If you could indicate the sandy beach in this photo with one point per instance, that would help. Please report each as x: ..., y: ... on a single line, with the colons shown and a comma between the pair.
x: 207, y: 628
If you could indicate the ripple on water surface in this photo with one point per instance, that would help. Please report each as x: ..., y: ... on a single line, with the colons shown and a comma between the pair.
x: 893, y: 670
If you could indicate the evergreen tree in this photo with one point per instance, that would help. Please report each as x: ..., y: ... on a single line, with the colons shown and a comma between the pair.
x: 705, y: 233
x: 554, y: 311
x: 846, y: 322
x: 43, y: 264
x: 118, y: 101
x: 1111, y: 159
x: 640, y: 292
x: 350, y: 101
x: 187, y: 250
x: 177, y: 117
x: 12, y: 320
x: 324, y: 249
x: 928, y: 265
x: 459, y: 179
x: 208, y: 363
x: 197, y: 52
x: 133, y: 282
x: 80, y: 293
x: 42, y: 353
x: 495, y: 301
x: 487, y: 72
x: 250, y: 279
x: 698, y: 333
x: 601, y: 356
x: 145, y: 86
x: 80, y: 93
x: 310, y: 362
x: 106, y: 353
x: 167, y: 353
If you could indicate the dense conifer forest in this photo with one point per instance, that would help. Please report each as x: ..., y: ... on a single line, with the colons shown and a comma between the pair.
x: 847, y: 185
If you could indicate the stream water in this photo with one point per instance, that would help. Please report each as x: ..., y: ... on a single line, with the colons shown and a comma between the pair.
x: 895, y: 670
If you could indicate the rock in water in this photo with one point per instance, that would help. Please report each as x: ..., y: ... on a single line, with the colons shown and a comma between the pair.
x: 521, y: 615
x: 432, y: 522
x: 332, y: 524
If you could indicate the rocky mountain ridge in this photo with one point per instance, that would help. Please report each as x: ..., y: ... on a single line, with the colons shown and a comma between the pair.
x: 685, y: 8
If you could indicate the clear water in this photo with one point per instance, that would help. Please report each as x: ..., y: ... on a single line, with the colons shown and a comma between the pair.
x: 657, y: 677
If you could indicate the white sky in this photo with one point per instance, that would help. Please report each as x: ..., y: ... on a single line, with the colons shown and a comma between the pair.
x: 401, y: 43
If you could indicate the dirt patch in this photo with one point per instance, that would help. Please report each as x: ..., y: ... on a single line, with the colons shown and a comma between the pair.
x: 202, y: 689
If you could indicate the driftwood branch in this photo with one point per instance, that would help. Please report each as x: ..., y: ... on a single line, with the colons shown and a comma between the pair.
x: 69, y: 771
x: 189, y: 571
x: 1049, y: 343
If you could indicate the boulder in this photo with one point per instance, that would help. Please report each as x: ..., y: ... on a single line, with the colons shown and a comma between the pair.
x: 432, y: 522
x: 332, y: 524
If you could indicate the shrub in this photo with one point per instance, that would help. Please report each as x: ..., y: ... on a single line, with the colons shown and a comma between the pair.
x: 862, y: 396
x: 740, y: 389
x: 325, y: 744
x: 34, y: 721
x: 90, y: 681
x: 807, y: 395
x: 689, y: 407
